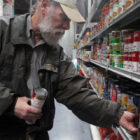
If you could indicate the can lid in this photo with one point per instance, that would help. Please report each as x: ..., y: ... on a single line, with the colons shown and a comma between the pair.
x: 41, y: 91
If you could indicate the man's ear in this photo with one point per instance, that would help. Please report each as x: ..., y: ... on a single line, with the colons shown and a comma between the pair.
x: 44, y: 5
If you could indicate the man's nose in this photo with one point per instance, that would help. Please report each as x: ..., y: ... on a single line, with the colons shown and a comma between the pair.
x: 66, y: 25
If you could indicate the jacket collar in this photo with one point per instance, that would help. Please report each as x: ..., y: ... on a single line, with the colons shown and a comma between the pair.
x: 20, y: 36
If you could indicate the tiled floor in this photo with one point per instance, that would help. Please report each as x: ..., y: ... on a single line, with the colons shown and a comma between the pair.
x: 68, y: 127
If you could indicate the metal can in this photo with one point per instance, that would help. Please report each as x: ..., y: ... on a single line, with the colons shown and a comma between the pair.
x: 38, y: 99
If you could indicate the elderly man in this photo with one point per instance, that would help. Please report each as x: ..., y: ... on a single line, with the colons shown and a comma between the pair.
x: 31, y: 58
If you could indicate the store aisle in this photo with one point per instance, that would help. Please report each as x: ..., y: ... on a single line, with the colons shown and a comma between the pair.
x: 68, y: 127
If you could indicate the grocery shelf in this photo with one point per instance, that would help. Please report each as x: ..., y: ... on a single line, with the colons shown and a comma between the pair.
x: 126, y: 18
x: 89, y: 44
x: 95, y: 132
x: 126, y: 73
x: 94, y: 15
x: 121, y: 71
x: 98, y: 64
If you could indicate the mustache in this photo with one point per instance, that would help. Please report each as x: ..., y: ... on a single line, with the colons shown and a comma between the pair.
x: 58, y: 31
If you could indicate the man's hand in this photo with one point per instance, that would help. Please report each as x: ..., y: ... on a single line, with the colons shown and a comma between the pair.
x: 127, y: 121
x: 26, y: 112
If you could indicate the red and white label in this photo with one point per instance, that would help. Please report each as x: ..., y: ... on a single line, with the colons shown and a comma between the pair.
x: 135, y: 59
x: 139, y: 63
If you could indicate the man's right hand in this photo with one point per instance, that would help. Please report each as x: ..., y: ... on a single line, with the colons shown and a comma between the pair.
x: 26, y: 112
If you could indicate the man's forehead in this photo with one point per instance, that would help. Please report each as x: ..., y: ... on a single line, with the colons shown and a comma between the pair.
x: 60, y: 11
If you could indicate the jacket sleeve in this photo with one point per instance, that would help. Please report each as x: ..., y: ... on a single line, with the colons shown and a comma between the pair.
x: 0, y: 36
x: 73, y: 93
x: 6, y: 94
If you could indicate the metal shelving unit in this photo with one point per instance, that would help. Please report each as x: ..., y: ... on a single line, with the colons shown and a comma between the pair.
x: 99, y: 64
x: 126, y: 18
x: 121, y: 71
x: 95, y: 132
x: 89, y: 44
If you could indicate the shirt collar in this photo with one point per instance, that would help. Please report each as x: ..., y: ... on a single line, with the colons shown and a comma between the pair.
x: 29, y: 29
x: 30, y: 33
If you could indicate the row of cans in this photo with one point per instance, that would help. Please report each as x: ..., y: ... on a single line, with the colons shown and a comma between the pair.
x: 132, y: 51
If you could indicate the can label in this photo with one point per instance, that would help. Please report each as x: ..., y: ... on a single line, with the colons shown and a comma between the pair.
x: 129, y: 61
x: 125, y: 60
x: 137, y: 36
x: 135, y: 59
x: 114, y: 95
x: 139, y: 63
x: 38, y: 99
x: 136, y: 46
x: 121, y: 6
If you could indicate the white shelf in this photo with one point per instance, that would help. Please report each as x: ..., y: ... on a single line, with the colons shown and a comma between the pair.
x: 121, y: 71
x: 95, y: 132
x: 89, y: 44
x: 135, y: 76
x: 125, y: 135
x: 99, y: 64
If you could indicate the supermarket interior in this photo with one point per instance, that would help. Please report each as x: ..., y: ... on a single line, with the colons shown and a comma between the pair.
x: 105, y: 50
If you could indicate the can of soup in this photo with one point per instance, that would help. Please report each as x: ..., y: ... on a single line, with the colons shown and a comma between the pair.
x: 38, y: 99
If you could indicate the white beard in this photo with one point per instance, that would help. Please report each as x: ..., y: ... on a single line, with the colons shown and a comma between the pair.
x: 48, y: 33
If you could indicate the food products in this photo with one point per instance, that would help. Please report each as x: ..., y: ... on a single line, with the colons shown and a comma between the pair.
x: 38, y: 99
x: 136, y: 44
x: 139, y: 63
x: 115, y: 8
x: 121, y: 6
x: 135, y: 61
x: 111, y: 11
x: 128, y: 3
x: 130, y: 105
x: 124, y: 100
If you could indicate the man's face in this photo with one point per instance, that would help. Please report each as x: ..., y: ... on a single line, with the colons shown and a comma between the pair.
x: 53, y: 26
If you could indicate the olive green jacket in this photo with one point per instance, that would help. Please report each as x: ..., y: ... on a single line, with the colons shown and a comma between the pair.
x: 57, y: 74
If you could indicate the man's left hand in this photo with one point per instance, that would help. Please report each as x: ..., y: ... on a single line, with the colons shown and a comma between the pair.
x: 127, y: 121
